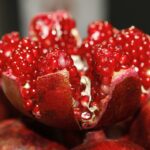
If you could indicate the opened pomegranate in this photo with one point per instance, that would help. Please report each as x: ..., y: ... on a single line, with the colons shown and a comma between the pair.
x: 55, y: 30
x: 14, y: 134
x: 45, y: 84
x: 140, y: 131
x: 98, y: 141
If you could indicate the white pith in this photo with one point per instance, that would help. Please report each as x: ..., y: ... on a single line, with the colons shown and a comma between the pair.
x: 76, y: 35
x: 88, y: 122
x: 118, y: 77
x: 80, y: 64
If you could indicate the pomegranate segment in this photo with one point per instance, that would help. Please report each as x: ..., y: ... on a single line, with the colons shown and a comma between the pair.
x: 98, y: 141
x: 14, y: 134
x: 55, y: 30
x: 140, y: 131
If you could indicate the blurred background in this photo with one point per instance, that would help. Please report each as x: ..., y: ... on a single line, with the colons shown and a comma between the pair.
x: 16, y: 14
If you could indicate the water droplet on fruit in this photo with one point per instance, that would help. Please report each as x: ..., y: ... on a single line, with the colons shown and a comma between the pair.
x: 86, y: 115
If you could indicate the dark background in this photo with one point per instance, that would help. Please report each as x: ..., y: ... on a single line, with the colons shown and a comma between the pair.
x: 124, y: 13
x: 121, y: 14
x: 8, y: 16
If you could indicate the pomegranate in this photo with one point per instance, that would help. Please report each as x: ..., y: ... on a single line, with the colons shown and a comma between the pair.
x: 98, y: 141
x: 47, y: 86
x: 15, y: 135
x: 139, y: 131
x: 55, y: 30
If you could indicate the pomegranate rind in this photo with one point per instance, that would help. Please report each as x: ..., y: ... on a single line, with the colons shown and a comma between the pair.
x: 55, y: 100
x: 124, y: 98
x: 56, y: 103
x: 14, y: 134
x: 10, y: 86
x: 110, y: 145
x: 140, y: 130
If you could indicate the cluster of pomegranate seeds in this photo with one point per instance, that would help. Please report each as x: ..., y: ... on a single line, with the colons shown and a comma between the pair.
x: 136, y: 47
x: 23, y: 65
x: 7, y: 46
x: 55, y: 30
x: 98, y: 32
x: 127, y: 48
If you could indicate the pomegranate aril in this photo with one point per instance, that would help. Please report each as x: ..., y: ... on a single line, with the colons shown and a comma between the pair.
x: 28, y: 104
x: 73, y: 71
x: 36, y: 111
x: 86, y: 115
x: 25, y: 93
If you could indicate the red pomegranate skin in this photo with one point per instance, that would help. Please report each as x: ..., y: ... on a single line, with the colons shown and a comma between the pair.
x: 56, y: 101
x: 15, y: 135
x: 98, y: 141
x: 118, y: 109
x: 140, y: 130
